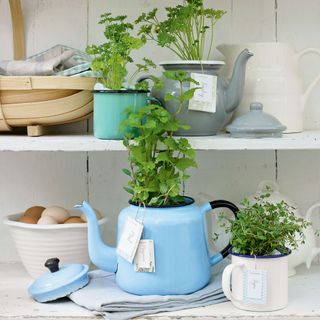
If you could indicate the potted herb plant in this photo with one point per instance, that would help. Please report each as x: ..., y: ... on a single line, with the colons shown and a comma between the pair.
x: 158, y: 162
x: 188, y: 32
x: 117, y: 90
x: 173, y: 226
x: 162, y: 245
x: 185, y: 30
x: 260, y: 238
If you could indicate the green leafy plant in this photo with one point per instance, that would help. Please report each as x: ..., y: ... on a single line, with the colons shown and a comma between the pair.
x: 185, y: 29
x: 264, y: 228
x: 157, y: 161
x: 111, y: 58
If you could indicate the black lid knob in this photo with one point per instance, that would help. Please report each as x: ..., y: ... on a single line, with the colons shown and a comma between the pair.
x: 52, y: 264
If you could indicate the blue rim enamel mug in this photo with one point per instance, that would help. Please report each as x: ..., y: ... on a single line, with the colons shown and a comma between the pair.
x: 109, y: 111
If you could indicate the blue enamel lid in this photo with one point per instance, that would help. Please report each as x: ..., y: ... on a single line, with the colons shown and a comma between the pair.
x: 59, y: 282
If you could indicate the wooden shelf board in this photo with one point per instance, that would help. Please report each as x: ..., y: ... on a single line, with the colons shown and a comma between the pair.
x: 308, y: 140
x: 15, y: 303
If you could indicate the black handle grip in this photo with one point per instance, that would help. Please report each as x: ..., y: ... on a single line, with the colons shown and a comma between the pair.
x: 52, y: 264
x: 229, y: 205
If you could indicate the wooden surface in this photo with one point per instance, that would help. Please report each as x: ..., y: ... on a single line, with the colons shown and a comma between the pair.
x: 308, y: 140
x: 26, y: 112
x: 46, y: 82
x: 54, y: 177
x: 15, y: 303
x: 18, y: 30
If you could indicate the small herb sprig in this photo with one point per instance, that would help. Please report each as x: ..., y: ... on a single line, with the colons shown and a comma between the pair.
x: 264, y: 228
x: 158, y: 162
x: 111, y: 58
x: 185, y: 29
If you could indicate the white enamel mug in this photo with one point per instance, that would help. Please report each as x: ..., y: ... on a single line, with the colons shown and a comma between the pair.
x: 275, y: 269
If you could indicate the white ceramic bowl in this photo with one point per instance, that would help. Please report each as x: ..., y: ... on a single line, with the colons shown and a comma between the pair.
x: 36, y: 243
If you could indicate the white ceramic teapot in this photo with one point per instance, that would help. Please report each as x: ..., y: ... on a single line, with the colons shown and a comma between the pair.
x: 272, y: 78
x: 306, y: 252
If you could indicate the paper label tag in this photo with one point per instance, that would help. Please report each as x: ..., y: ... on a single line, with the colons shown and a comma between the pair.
x: 144, y: 259
x: 129, y: 240
x: 205, y: 98
x: 255, y: 286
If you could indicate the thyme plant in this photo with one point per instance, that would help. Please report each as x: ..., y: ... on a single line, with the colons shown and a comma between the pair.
x: 264, y: 228
x: 185, y: 31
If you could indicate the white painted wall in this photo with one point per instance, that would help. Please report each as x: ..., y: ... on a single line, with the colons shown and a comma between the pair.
x: 62, y: 178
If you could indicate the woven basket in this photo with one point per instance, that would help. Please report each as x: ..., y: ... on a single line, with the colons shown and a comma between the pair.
x: 39, y: 101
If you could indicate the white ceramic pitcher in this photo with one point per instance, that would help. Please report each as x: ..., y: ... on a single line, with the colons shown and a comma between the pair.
x: 272, y: 78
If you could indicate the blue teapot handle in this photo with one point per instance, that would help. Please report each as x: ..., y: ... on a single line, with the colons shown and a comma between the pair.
x: 221, y: 204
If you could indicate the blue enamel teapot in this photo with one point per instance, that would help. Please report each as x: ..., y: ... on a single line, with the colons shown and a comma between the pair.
x: 179, y: 233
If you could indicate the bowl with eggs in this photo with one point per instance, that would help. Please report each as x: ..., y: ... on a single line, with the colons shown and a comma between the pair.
x: 41, y: 233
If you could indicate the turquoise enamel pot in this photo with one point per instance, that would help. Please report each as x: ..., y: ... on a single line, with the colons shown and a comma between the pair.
x: 109, y: 111
x: 183, y: 261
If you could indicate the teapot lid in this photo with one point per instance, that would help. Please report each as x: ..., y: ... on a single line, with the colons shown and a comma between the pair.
x: 271, y: 187
x: 256, y: 124
x: 59, y: 282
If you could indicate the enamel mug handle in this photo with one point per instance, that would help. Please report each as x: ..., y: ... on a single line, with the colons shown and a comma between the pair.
x: 153, y: 100
x: 226, y: 280
x: 222, y: 204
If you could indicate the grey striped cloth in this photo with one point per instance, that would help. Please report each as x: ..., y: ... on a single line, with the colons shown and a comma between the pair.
x: 104, y: 297
x: 59, y: 60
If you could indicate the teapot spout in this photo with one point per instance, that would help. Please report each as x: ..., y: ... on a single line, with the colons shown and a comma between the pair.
x: 236, y: 85
x: 103, y: 256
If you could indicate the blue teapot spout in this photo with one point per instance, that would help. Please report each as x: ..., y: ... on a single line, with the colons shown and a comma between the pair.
x: 103, y: 256
x: 236, y: 85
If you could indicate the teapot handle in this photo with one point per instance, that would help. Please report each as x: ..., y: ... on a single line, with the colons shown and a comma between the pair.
x: 300, y: 54
x: 221, y: 204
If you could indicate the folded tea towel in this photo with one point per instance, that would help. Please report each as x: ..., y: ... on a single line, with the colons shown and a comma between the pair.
x: 104, y: 297
x: 58, y: 60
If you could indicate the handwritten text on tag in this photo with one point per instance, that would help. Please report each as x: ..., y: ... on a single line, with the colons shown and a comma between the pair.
x: 144, y: 259
x: 129, y: 239
x: 204, y: 99
x: 255, y: 286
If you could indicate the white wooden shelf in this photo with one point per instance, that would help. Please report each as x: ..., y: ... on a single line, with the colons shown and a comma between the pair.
x: 308, y: 140
x: 304, y: 293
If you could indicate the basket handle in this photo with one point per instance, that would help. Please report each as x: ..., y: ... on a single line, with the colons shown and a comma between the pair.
x: 17, y: 30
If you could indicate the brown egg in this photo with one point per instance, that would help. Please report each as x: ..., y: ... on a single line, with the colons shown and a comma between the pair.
x: 74, y: 219
x: 28, y: 219
x: 34, y: 212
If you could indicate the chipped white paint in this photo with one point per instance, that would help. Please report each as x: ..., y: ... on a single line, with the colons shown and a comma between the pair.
x: 229, y: 169
x: 15, y: 303
x: 307, y: 140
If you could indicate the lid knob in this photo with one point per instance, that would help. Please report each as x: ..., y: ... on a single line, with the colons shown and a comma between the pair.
x: 52, y: 264
x: 256, y: 106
